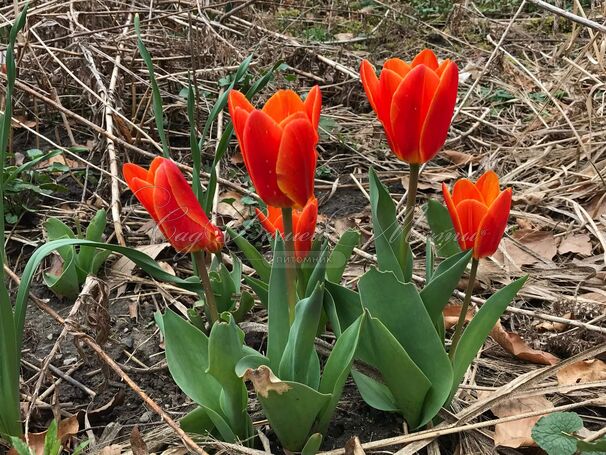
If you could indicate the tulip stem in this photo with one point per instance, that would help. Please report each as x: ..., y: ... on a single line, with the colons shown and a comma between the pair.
x: 291, y: 262
x: 411, y: 199
x: 459, y: 329
x: 200, y: 260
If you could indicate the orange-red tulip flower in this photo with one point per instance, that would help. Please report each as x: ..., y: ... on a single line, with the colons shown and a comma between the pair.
x: 414, y: 102
x: 479, y: 213
x: 170, y: 201
x: 278, y: 144
x: 304, y: 225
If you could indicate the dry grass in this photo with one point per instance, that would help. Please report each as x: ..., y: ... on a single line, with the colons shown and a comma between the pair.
x: 531, y: 106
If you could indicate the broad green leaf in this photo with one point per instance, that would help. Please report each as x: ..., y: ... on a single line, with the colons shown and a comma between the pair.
x: 475, y: 333
x: 86, y: 256
x: 374, y: 393
x: 592, y: 448
x: 429, y: 260
x: 437, y: 292
x: 553, y: 433
x: 442, y: 230
x: 337, y: 370
x: 261, y: 288
x: 236, y: 272
x: 224, y: 288
x: 340, y: 255
x: 291, y: 408
x: 400, y: 308
x: 247, y: 302
x: 388, y: 235
x: 20, y: 446
x: 57, y: 229
x: 224, y: 352
x: 256, y: 259
x: 331, y: 312
x: 404, y: 379
x: 197, y: 421
x: 295, y: 361
x: 67, y: 284
x: 312, y: 445
x: 277, y: 307
x: 252, y: 361
x: 347, y: 303
x: 52, y: 444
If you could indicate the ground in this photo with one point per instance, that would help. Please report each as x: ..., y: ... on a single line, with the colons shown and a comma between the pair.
x: 530, y: 106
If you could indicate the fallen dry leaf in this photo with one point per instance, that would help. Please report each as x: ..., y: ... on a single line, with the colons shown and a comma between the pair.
x: 584, y: 371
x: 137, y: 444
x: 576, y: 243
x: 549, y: 326
x: 344, y: 36
x: 451, y: 315
x: 597, y: 206
x: 458, y: 158
x: 114, y: 449
x: 125, y: 266
x: 514, y: 344
x: 542, y: 244
x: 231, y: 209
x: 518, y: 432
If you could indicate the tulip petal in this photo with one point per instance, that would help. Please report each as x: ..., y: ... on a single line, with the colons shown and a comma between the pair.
x: 439, y: 116
x: 267, y: 224
x: 239, y: 108
x: 136, y: 178
x: 493, y: 225
x: 370, y: 82
x: 465, y: 189
x: 409, y: 108
x: 181, y: 219
x: 471, y: 213
x: 443, y: 66
x: 398, y: 66
x: 262, y: 143
x: 305, y: 228
x: 296, y: 164
x: 426, y: 57
x: 388, y: 85
x: 488, y: 185
x: 239, y: 119
x: 313, y: 105
x: 454, y: 216
x: 282, y: 104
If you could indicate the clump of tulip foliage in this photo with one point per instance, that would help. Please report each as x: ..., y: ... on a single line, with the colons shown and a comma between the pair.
x: 389, y: 332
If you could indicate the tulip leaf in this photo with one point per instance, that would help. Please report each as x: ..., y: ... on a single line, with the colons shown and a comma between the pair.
x: 290, y: 407
x: 277, y: 308
x: 256, y: 259
x: 224, y: 288
x: 261, y: 288
x: 437, y: 292
x: 400, y: 308
x: 197, y: 421
x: 340, y: 255
x: 247, y: 302
x: 319, y: 271
x: 475, y: 333
x: 347, y: 304
x: 388, y: 235
x: 401, y: 375
x: 331, y: 312
x: 252, y: 361
x: 312, y: 445
x: 295, y: 363
x: 442, y: 230
x: 87, y: 255
x: 337, y: 370
x: 224, y: 352
x: 429, y: 260
x: 374, y: 393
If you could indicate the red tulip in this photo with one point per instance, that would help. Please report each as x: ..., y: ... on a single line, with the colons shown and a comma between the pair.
x: 304, y: 225
x: 170, y: 201
x: 278, y: 144
x: 414, y: 102
x: 479, y: 213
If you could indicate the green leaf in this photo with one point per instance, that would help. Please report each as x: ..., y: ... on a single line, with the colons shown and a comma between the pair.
x: 312, y: 445
x: 224, y: 288
x: 592, y: 448
x: 197, y: 421
x: 475, y: 333
x: 404, y: 379
x: 291, y: 408
x: 553, y: 433
x: 388, y: 235
x: 224, y: 352
x: 52, y: 444
x: 86, y: 259
x: 57, y: 229
x: 278, y: 318
x: 442, y: 230
x: 67, y: 284
x: 347, y: 303
x: 247, y: 302
x: 256, y: 259
x: 337, y: 370
x: 319, y: 271
x: 374, y: 393
x: 331, y: 311
x: 402, y: 311
x: 295, y: 361
x: 261, y: 289
x: 340, y: 255
x: 156, y: 97
x: 20, y: 446
x: 437, y: 292
x: 429, y: 260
